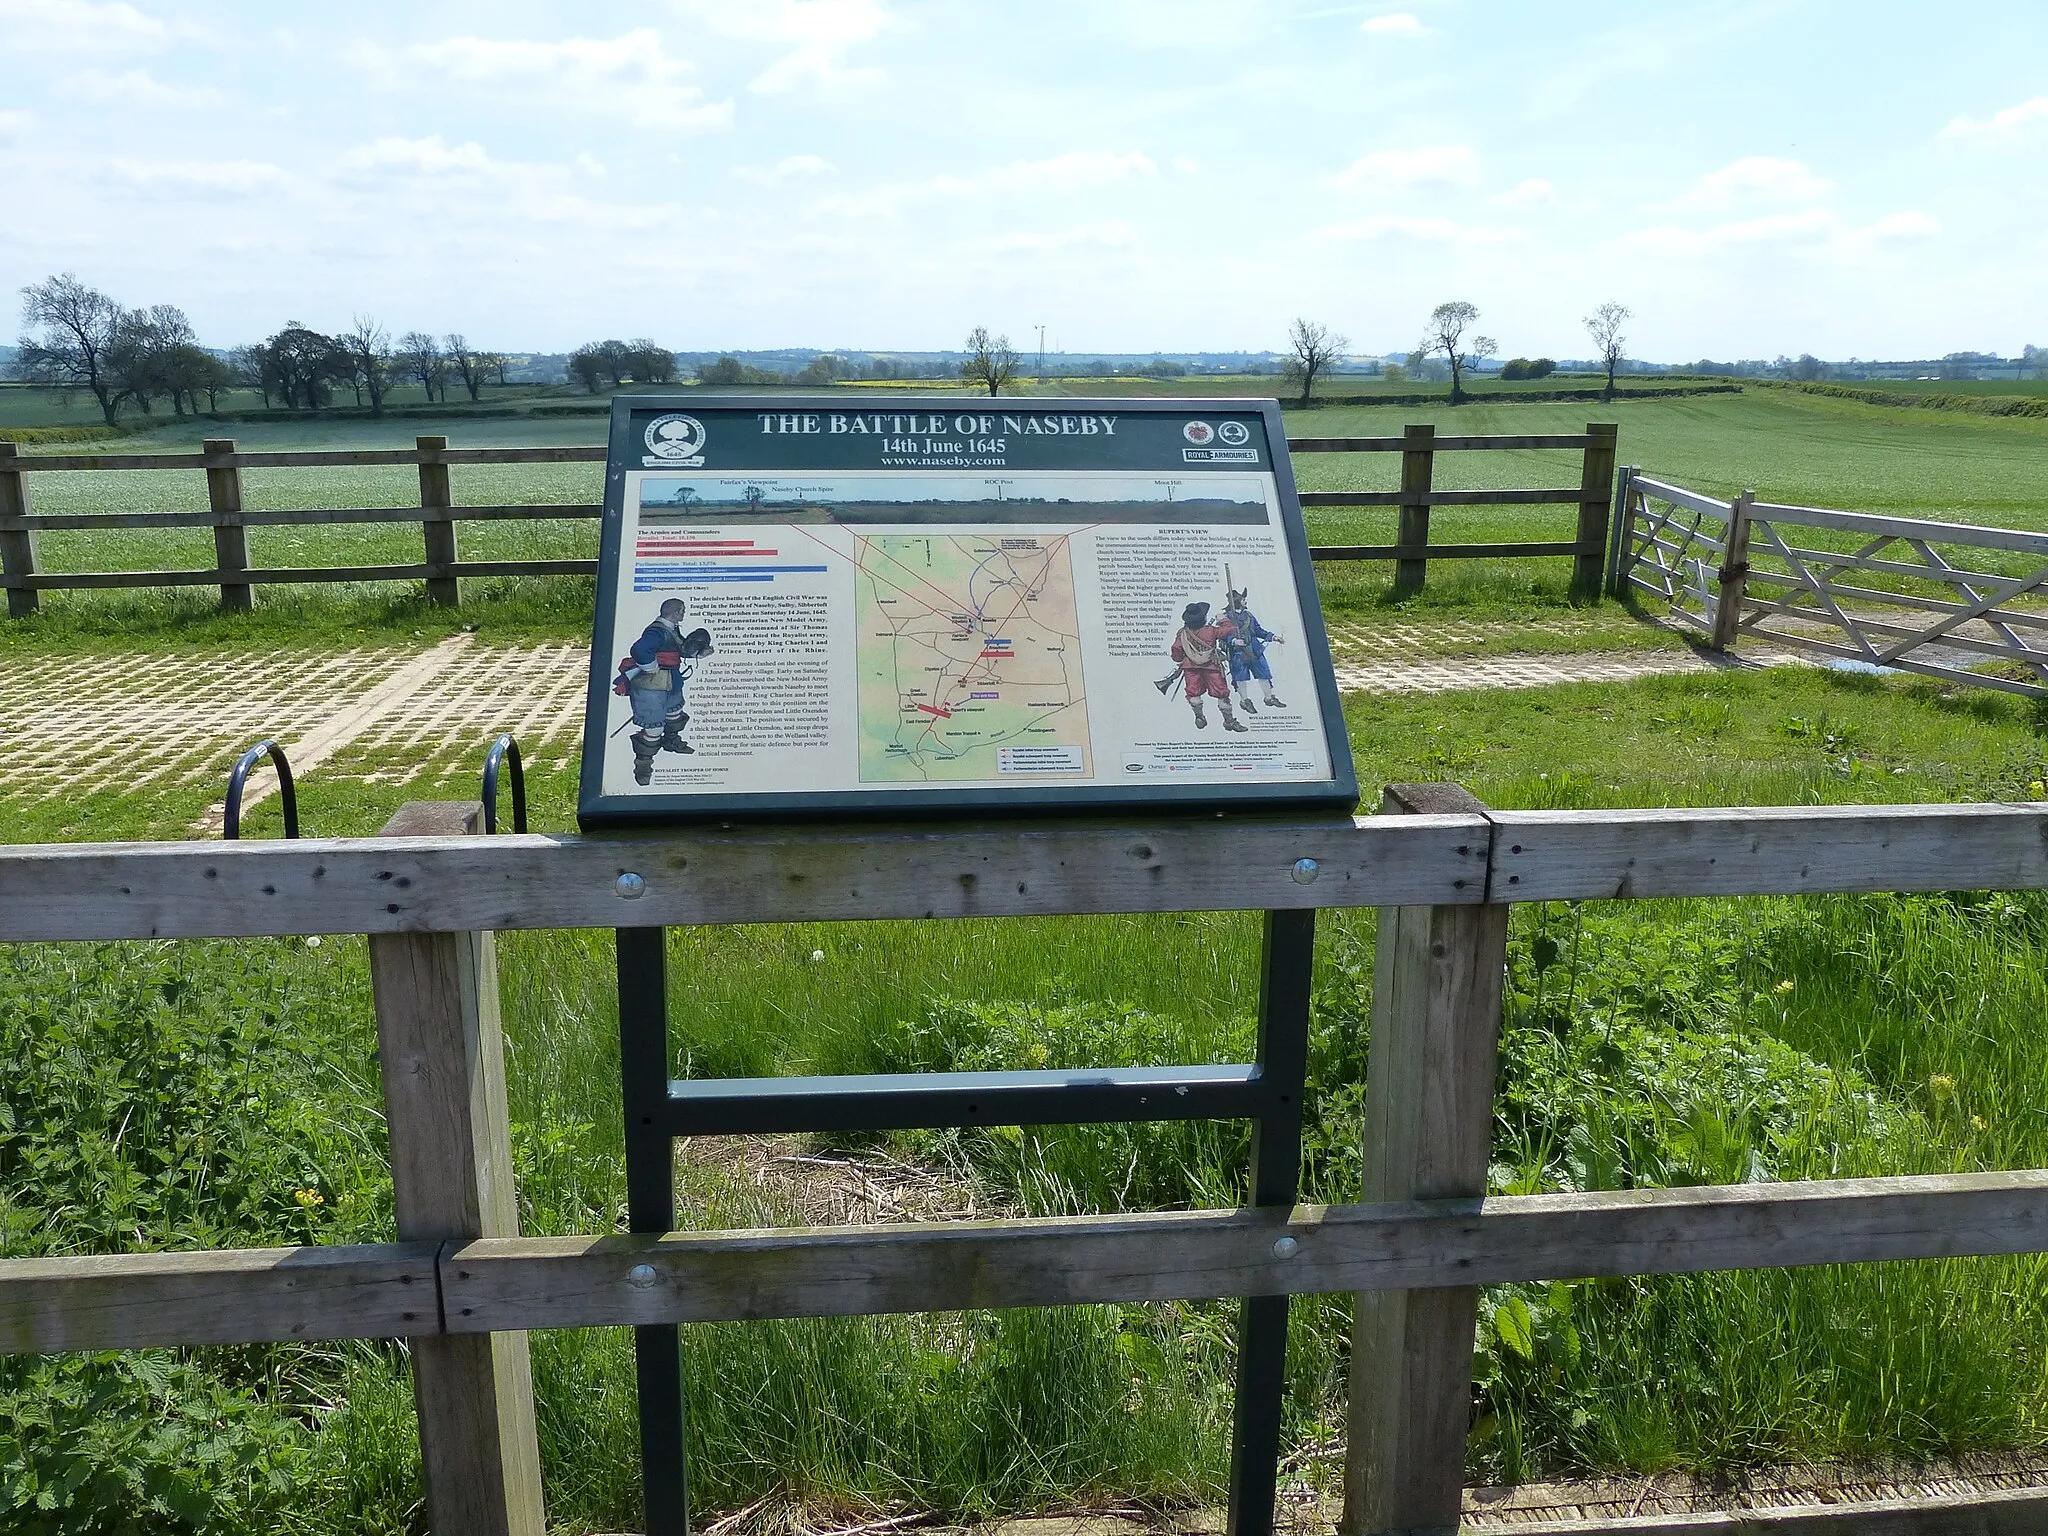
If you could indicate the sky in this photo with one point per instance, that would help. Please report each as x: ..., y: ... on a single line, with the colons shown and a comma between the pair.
x: 1751, y: 177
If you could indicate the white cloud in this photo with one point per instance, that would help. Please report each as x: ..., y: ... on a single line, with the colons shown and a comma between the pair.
x: 15, y: 122
x: 1528, y: 194
x: 430, y: 156
x: 182, y: 178
x: 1812, y: 231
x: 1753, y: 179
x: 1427, y: 231
x: 788, y: 168
x: 818, y: 34
x: 1908, y: 224
x: 1071, y: 172
x: 137, y: 88
x: 1400, y: 23
x: 1114, y: 233
x: 62, y: 26
x: 633, y: 74
x: 1187, y: 165
x: 2001, y: 130
x: 1443, y: 165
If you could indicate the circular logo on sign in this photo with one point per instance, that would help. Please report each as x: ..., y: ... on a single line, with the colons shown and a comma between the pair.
x: 1233, y: 433
x: 675, y: 437
x: 1198, y: 432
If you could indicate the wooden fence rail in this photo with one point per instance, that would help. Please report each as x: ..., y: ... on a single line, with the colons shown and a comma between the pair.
x: 464, y: 1286
x: 1750, y: 567
x: 442, y: 568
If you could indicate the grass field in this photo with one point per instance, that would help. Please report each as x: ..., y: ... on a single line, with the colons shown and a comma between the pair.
x: 1787, y: 446
x: 193, y: 1093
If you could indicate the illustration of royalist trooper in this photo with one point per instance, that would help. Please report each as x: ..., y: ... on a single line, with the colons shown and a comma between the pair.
x: 1248, y: 641
x: 652, y: 675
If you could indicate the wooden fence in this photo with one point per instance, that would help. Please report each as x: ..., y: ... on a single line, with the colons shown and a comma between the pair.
x: 1418, y: 446
x: 1754, y: 568
x: 441, y: 567
x: 463, y: 1285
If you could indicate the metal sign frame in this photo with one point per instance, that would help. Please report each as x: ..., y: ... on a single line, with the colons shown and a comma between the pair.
x: 597, y: 809
x: 1267, y: 1091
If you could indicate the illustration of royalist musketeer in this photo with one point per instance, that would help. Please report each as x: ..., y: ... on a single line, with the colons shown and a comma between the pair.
x: 1198, y: 649
x: 651, y: 676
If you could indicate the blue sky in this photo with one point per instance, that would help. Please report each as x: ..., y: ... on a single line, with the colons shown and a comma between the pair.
x: 1750, y: 176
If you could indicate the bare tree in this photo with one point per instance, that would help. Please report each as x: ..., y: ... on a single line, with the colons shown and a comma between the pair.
x: 2032, y: 357
x: 156, y: 352
x: 1482, y: 350
x: 368, y: 348
x: 490, y: 368
x: 247, y: 368
x: 991, y: 360
x: 465, y: 363
x: 418, y: 357
x: 1445, y: 333
x: 1316, y: 350
x: 77, y: 328
x: 1604, y: 326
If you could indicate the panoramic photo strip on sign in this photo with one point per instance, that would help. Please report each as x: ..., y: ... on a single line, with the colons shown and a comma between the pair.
x: 896, y: 604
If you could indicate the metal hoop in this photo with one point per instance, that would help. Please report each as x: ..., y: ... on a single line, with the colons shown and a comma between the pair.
x: 504, y: 749
x: 231, y: 821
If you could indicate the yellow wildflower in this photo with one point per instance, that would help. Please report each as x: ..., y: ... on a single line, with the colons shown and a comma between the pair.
x: 309, y: 1197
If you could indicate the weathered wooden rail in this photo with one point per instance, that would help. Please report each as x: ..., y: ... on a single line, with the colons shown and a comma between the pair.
x: 1749, y: 567
x: 442, y: 569
x: 462, y: 1284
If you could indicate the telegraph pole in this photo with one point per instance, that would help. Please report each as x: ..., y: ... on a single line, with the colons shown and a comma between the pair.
x: 1041, y: 354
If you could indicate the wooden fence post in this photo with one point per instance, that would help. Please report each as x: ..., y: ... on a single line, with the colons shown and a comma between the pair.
x: 440, y: 531
x: 17, y: 545
x: 1596, y: 501
x: 451, y: 1174
x: 1428, y: 1133
x: 1418, y: 459
x: 1617, y: 529
x: 230, y: 538
x: 1734, y: 573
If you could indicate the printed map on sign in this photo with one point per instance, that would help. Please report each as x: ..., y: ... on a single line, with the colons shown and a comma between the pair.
x: 969, y: 658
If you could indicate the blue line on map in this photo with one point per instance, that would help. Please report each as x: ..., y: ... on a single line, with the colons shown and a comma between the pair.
x: 669, y: 567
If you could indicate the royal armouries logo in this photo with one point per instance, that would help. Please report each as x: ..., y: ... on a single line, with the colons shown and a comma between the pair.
x: 676, y: 440
x: 1198, y: 432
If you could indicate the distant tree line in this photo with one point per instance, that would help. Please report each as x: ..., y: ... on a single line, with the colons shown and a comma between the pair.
x: 608, y: 364
x: 302, y: 369
x: 825, y: 368
x: 76, y: 338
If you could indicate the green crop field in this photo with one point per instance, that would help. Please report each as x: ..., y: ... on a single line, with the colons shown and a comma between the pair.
x: 1787, y: 446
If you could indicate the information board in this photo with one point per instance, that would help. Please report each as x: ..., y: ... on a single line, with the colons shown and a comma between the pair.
x: 891, y: 603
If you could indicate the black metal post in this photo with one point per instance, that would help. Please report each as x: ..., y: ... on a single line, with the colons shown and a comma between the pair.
x: 1285, y: 982
x: 651, y: 1207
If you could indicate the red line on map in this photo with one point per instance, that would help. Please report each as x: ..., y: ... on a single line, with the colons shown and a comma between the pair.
x: 943, y: 714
